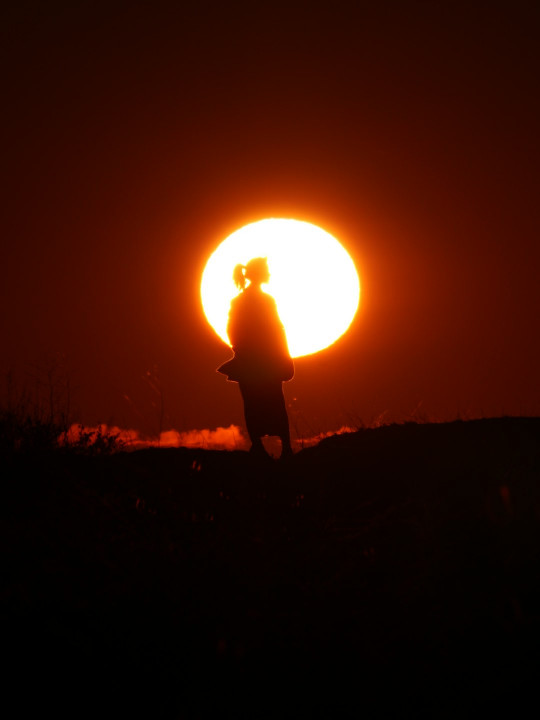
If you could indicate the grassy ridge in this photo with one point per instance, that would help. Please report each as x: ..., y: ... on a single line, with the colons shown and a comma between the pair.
x: 397, y: 565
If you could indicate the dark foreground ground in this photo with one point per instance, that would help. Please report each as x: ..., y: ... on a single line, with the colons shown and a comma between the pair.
x: 395, y: 568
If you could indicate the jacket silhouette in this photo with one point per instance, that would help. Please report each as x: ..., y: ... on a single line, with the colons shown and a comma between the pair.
x: 258, y: 340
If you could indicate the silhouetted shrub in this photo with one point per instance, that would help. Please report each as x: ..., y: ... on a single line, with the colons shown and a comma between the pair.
x: 27, y: 433
x: 92, y: 441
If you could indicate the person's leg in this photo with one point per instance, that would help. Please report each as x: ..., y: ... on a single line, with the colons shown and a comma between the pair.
x: 286, y: 447
x: 285, y: 433
x: 257, y: 448
x: 251, y: 417
x: 265, y: 413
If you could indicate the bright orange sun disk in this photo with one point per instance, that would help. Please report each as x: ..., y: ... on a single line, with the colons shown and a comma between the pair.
x: 313, y: 280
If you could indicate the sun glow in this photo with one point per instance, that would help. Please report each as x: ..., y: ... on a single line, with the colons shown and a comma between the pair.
x: 313, y: 280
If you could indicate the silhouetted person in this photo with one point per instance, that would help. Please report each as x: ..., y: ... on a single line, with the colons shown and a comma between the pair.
x: 261, y: 359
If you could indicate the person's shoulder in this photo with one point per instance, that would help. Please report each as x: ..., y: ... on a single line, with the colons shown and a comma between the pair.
x: 268, y: 299
x: 237, y: 300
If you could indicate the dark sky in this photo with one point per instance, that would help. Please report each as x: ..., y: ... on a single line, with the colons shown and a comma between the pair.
x: 136, y: 136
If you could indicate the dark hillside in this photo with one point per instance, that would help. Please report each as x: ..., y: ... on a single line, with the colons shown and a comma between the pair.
x: 393, y: 567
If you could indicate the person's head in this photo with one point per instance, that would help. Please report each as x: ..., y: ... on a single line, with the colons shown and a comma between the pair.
x: 256, y: 271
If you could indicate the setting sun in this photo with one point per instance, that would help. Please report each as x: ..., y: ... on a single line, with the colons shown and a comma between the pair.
x: 312, y: 278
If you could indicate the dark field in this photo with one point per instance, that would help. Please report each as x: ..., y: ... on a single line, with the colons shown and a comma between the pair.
x: 395, y: 569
